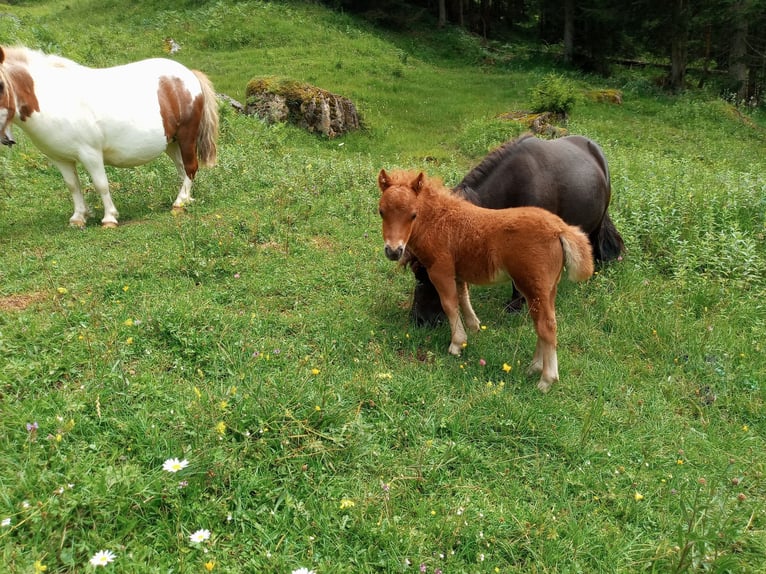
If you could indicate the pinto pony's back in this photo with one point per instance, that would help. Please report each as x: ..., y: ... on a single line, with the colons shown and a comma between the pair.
x: 460, y: 243
x: 123, y: 116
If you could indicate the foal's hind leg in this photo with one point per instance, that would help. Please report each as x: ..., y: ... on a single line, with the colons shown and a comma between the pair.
x: 545, y: 360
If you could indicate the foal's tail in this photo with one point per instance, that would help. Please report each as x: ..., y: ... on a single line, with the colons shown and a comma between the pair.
x: 208, y: 127
x: 578, y: 253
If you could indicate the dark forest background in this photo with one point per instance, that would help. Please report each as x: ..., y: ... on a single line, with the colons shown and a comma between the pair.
x: 723, y: 39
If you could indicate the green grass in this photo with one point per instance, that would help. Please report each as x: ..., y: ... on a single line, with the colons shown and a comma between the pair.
x: 263, y: 337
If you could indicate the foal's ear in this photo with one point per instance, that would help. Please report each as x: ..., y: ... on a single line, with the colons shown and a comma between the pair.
x: 417, y: 183
x: 384, y: 182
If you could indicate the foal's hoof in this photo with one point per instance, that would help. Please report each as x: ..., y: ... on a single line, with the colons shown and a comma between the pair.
x: 109, y: 225
x: 77, y: 224
x: 545, y: 386
x: 178, y: 209
x: 455, y: 349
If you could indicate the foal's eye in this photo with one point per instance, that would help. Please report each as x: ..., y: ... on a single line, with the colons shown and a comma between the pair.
x: 414, y: 215
x: 381, y: 212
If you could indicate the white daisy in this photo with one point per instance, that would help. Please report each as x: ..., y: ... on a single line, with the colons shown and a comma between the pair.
x: 174, y: 465
x: 5, y: 522
x: 303, y: 571
x: 200, y: 536
x: 102, y: 558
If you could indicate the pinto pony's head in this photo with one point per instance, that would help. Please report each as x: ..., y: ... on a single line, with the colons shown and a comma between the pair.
x: 398, y: 208
x: 7, y: 107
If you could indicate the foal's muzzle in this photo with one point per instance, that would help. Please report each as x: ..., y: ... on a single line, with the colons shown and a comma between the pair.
x: 394, y: 254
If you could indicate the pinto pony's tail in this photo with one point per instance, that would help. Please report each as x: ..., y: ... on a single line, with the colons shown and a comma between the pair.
x: 578, y: 253
x: 208, y: 126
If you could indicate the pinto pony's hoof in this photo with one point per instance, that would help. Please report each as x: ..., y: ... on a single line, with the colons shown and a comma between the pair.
x: 109, y: 225
x: 178, y: 209
x: 77, y: 224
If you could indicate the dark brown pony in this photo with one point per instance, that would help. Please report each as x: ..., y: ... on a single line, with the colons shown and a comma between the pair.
x: 459, y: 243
x: 568, y: 176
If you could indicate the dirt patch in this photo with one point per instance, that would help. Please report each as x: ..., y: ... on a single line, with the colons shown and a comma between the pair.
x: 19, y: 302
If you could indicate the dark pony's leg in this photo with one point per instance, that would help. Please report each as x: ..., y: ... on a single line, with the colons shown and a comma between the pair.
x: 426, y: 306
x: 516, y: 304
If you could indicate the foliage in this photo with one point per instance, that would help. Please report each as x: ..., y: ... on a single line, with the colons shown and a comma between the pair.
x: 262, y: 336
x: 554, y: 93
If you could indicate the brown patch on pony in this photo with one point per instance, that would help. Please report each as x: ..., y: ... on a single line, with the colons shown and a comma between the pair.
x: 17, y: 89
x: 24, y: 89
x: 181, y: 115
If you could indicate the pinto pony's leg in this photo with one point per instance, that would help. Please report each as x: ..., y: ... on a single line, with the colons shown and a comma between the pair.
x: 94, y: 164
x: 184, y: 196
x: 471, y: 320
x: 69, y: 172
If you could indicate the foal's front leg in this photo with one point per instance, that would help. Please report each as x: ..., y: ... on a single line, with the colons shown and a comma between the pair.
x: 448, y: 294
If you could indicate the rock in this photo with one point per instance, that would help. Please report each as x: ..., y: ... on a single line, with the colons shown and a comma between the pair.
x: 312, y: 108
x: 609, y: 96
x: 543, y: 123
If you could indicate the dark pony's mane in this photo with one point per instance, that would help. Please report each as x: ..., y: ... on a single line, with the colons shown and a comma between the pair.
x: 485, y: 168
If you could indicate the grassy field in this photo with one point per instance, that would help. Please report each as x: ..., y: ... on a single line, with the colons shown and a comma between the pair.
x: 263, y: 338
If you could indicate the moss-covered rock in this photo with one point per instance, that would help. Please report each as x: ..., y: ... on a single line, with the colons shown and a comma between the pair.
x: 607, y: 96
x: 540, y: 123
x: 307, y: 106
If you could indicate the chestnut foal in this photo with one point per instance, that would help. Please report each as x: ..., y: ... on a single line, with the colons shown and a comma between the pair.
x: 460, y: 243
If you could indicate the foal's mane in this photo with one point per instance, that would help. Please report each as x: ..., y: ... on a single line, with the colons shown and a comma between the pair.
x: 489, y: 163
x: 431, y: 185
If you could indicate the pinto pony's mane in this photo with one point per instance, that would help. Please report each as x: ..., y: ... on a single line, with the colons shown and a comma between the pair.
x: 28, y: 56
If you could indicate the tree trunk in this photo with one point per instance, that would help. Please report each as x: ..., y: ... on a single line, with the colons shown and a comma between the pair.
x: 678, y: 45
x: 569, y: 29
x: 738, y: 49
x: 442, y: 13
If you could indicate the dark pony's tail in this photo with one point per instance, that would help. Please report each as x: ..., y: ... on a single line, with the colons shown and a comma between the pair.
x: 606, y: 241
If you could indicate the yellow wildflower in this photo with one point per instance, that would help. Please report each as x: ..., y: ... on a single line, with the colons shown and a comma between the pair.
x: 209, y: 566
x: 221, y: 428
x: 638, y: 496
x: 507, y: 368
x: 346, y: 503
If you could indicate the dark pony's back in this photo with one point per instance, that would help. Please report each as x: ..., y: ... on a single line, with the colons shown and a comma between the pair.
x: 568, y: 176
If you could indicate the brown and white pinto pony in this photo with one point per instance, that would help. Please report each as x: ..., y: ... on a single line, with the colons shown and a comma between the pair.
x: 460, y: 244
x: 122, y: 116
